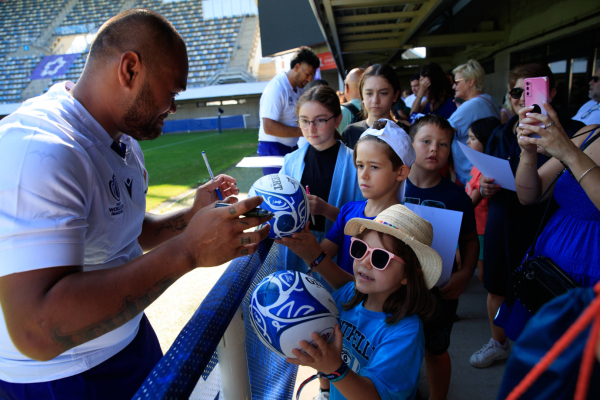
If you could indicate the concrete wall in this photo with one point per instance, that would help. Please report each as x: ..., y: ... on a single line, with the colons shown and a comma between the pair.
x: 189, y: 109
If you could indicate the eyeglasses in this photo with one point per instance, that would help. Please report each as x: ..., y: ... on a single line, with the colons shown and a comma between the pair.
x: 380, y: 258
x: 587, y: 114
x: 319, y: 123
x: 595, y: 78
x: 458, y: 80
x: 516, y: 92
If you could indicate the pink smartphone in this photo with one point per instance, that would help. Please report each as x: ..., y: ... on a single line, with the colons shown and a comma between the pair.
x: 537, y: 90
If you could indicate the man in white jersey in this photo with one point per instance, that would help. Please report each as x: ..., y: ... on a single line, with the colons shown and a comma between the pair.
x: 589, y: 114
x: 74, y: 280
x: 279, y: 132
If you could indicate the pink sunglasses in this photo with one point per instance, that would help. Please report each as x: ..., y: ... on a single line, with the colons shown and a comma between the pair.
x: 380, y: 258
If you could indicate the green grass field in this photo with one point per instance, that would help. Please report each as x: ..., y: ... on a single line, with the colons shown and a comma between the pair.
x: 174, y: 162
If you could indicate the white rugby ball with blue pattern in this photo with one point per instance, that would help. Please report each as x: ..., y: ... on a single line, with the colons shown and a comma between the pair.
x: 286, y: 198
x: 287, y: 307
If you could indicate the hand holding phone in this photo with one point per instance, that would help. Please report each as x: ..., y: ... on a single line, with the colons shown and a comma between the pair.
x: 537, y: 91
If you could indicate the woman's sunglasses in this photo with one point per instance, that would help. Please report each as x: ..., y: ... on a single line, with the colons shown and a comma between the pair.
x: 516, y: 92
x: 380, y: 258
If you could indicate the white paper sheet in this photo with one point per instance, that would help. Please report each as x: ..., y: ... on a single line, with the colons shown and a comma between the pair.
x: 491, y: 167
x: 261, y: 162
x: 446, y: 229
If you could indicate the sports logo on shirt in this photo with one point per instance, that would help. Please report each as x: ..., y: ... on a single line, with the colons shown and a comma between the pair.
x: 129, y: 185
x: 114, y: 188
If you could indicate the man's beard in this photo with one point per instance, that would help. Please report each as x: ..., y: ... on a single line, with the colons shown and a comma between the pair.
x: 138, y: 121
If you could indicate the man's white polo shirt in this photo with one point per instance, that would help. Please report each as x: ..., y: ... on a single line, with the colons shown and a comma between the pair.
x: 278, y: 102
x: 66, y: 198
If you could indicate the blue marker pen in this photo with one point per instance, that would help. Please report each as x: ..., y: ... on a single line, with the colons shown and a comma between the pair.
x: 211, y: 174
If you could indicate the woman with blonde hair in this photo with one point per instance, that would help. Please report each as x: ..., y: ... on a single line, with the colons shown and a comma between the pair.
x: 468, y: 85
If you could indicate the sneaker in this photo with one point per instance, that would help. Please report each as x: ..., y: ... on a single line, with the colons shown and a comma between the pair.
x: 322, y: 396
x: 489, y: 353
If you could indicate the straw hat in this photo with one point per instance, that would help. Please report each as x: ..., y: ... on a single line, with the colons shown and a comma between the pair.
x: 400, y: 222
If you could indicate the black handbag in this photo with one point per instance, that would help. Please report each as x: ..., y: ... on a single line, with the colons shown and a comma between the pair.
x: 539, y: 280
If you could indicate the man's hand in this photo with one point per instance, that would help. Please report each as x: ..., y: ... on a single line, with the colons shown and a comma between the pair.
x: 207, y: 193
x: 325, y: 357
x: 488, y: 187
x: 216, y: 235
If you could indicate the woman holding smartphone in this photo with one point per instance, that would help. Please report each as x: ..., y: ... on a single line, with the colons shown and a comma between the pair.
x: 510, y: 227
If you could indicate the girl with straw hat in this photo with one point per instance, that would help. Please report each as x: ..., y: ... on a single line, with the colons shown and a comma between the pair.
x: 379, y: 344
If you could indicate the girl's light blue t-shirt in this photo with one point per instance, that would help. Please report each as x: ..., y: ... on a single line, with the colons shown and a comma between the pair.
x: 389, y: 355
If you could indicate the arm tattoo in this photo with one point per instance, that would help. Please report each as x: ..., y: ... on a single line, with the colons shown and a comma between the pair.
x: 131, y: 308
x: 173, y: 224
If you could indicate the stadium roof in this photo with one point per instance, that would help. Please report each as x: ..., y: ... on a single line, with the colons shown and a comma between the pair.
x: 370, y: 30
x: 206, y: 92
x: 6, y: 109
x: 218, y: 91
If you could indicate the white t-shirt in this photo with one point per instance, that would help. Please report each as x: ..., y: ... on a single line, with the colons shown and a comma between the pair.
x: 278, y: 102
x: 594, y: 116
x: 409, y: 100
x: 66, y: 198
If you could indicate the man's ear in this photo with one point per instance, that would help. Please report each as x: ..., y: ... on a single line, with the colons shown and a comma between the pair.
x: 130, y: 66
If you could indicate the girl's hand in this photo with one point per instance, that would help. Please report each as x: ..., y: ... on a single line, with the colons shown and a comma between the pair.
x: 424, y: 87
x: 553, y: 139
x: 488, y: 188
x: 303, y: 244
x: 325, y: 357
x: 317, y: 204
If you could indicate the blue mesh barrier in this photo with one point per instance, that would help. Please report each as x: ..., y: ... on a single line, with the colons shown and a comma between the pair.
x: 193, y: 354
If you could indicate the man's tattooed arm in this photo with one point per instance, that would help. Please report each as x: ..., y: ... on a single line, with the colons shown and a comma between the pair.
x: 157, y: 229
x: 131, y: 308
x: 173, y: 224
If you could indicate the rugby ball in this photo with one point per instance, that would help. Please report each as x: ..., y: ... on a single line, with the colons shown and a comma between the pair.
x: 286, y: 198
x: 287, y: 307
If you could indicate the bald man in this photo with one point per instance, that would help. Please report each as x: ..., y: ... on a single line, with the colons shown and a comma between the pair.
x: 352, y: 109
x: 74, y: 279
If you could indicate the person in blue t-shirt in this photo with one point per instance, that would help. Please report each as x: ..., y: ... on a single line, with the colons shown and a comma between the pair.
x: 383, y: 156
x: 432, y: 137
x: 379, y: 345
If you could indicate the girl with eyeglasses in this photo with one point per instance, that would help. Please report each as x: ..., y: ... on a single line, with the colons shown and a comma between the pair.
x: 324, y: 165
x: 378, y: 347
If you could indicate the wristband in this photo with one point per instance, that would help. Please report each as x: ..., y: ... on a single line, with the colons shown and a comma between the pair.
x: 339, y: 374
x: 317, y: 261
x: 481, y: 193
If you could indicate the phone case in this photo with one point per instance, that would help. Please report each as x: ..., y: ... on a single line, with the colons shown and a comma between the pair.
x: 537, y: 90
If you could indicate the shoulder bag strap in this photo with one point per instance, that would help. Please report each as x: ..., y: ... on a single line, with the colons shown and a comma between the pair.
x: 493, y: 106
